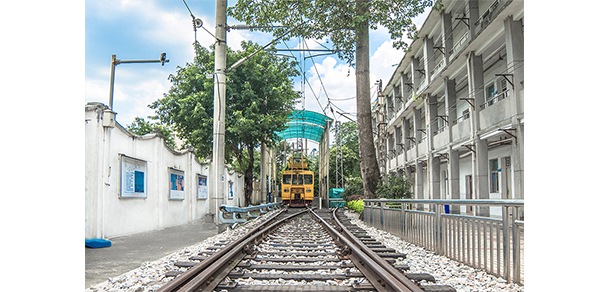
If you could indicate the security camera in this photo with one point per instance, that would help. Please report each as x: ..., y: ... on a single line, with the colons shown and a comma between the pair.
x: 162, y: 59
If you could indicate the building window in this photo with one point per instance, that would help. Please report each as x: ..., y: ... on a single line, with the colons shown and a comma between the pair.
x: 494, y: 183
x: 490, y: 93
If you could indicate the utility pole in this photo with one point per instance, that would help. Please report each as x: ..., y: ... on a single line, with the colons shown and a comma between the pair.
x: 339, y: 157
x: 218, y: 143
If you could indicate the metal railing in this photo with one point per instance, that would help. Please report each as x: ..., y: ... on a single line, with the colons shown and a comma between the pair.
x: 494, y: 99
x: 491, y: 244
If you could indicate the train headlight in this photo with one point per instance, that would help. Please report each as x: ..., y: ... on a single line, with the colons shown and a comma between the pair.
x: 285, y: 190
x: 308, y: 190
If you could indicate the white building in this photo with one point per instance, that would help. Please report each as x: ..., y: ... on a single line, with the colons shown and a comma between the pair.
x: 452, y: 113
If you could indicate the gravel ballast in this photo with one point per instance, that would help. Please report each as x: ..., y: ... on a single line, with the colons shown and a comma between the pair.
x: 150, y: 276
x: 446, y: 271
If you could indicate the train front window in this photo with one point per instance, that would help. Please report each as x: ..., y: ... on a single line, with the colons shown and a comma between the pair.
x: 308, y: 179
x: 297, y: 179
x: 286, y: 179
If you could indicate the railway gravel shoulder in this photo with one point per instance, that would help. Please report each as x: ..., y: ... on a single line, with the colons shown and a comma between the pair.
x: 446, y: 271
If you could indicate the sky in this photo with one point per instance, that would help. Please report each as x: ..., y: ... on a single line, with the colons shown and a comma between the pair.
x: 141, y: 30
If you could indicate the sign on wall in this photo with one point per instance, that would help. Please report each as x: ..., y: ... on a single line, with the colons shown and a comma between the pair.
x: 202, y: 187
x: 133, y: 178
x: 176, y: 184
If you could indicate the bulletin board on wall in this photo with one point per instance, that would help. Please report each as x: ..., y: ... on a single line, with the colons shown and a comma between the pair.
x: 176, y: 184
x: 202, y: 187
x: 133, y: 177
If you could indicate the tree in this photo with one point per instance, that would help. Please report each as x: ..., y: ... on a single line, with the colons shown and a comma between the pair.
x: 348, y: 133
x: 140, y: 126
x: 346, y: 23
x: 260, y: 98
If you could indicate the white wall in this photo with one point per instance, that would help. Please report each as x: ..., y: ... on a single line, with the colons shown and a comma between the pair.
x: 107, y: 214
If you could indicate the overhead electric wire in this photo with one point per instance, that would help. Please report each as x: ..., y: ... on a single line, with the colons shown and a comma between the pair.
x: 307, y: 81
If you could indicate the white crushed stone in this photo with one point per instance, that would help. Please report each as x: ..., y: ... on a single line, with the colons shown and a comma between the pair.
x: 445, y: 270
x: 150, y: 276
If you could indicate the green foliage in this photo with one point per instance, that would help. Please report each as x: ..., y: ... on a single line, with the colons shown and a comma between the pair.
x: 356, y: 205
x: 335, y: 20
x: 397, y: 186
x: 348, y: 135
x: 259, y: 99
x: 354, y: 187
x: 259, y: 93
x: 140, y: 126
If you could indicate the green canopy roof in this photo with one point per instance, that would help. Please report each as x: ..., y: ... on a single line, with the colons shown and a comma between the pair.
x: 305, y: 124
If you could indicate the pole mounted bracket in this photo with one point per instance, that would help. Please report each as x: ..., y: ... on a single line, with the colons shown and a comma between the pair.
x: 441, y: 49
x: 470, y: 147
x: 464, y: 20
x: 506, y: 131
x: 468, y: 100
x: 509, y: 80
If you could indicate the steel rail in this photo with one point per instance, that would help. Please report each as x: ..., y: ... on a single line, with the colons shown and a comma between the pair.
x: 193, y: 271
x: 380, y: 276
x: 376, y: 258
x: 215, y: 268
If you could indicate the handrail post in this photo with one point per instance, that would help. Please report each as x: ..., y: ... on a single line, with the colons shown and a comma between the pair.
x: 381, y: 215
x: 505, y: 240
x: 516, y: 247
x: 403, y: 216
x: 438, y: 231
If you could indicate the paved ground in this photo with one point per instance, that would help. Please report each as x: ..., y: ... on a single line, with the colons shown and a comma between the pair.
x: 129, y: 252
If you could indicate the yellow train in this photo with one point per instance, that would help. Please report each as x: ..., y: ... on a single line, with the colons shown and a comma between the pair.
x: 297, y: 183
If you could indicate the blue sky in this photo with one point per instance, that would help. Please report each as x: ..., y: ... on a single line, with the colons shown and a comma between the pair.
x: 137, y: 29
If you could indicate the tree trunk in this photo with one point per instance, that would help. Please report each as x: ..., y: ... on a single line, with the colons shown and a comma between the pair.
x: 368, y: 162
x: 248, y: 176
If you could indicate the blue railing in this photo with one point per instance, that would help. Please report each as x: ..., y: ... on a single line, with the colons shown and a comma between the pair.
x: 236, y: 212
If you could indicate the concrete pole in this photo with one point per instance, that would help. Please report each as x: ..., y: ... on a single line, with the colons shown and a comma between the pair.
x: 218, y: 143
x: 263, y: 185
x: 112, y: 68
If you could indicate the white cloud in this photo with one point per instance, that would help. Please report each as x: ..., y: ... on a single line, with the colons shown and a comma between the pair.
x: 340, y: 84
x: 99, y: 91
x: 382, y: 60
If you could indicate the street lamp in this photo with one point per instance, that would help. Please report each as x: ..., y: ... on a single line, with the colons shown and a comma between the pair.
x: 116, y: 61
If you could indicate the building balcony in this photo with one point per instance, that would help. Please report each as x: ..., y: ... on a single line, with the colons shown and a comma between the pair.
x: 400, y: 159
x: 488, y: 15
x: 441, y: 139
x: 460, y: 130
x: 459, y: 45
x: 437, y: 69
x: 497, y: 110
x: 422, y: 147
x: 411, y: 154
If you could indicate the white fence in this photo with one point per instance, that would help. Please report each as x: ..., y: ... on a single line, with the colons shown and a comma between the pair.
x: 491, y: 244
x: 136, y: 183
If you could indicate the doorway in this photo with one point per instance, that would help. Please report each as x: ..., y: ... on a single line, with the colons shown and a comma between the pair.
x: 469, y: 192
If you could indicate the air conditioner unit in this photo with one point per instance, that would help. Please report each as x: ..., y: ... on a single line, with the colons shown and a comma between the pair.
x: 108, y: 118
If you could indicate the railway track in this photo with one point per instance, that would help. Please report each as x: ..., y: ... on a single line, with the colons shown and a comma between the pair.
x: 300, y: 250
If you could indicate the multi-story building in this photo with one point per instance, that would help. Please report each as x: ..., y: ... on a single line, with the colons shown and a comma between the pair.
x: 451, y: 116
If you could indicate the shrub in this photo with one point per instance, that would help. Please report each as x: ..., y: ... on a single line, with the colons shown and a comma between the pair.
x: 354, y: 187
x: 355, y: 198
x: 358, y: 205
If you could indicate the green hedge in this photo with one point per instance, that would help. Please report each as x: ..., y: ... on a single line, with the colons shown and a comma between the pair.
x: 356, y: 205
